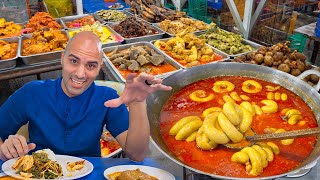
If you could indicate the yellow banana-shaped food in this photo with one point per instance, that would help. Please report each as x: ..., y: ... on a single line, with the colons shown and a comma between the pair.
x: 178, y: 125
x: 263, y: 155
x: 192, y: 137
x: 223, y: 86
x: 245, y: 97
x: 201, y: 96
x: 249, y: 107
x: 294, y: 119
x: 257, y: 109
x: 271, y: 88
x: 228, y: 128
x: 284, y: 96
x: 246, y: 120
x: 284, y: 141
x: 240, y: 157
x: 235, y: 96
x: 284, y: 111
x: 270, y: 95
x: 275, y: 149
x: 210, y: 110
x: 213, y: 133
x: 251, y: 86
x: 227, y: 98
x: 255, y: 160
x: 277, y: 96
x: 230, y: 111
x: 188, y: 129
x: 269, y: 153
x: 292, y: 112
x: 270, y: 106
x: 203, y: 142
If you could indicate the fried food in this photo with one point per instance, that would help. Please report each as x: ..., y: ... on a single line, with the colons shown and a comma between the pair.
x: 87, y: 20
x: 42, y: 20
x: 131, y: 175
x: 111, y: 15
x: 9, y: 29
x: 73, y: 166
x: 174, y: 27
x: 8, y: 50
x: 44, y: 41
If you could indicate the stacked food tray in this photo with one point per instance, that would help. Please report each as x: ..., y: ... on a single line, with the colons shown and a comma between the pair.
x: 6, y: 64
x: 115, y: 70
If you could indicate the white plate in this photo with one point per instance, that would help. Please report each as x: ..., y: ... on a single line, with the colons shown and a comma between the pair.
x: 61, y: 159
x: 110, y: 7
x: 152, y: 171
x: 113, y: 153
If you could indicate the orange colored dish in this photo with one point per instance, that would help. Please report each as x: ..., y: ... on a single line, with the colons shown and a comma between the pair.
x: 108, y: 144
x: 87, y: 20
x: 8, y: 50
x: 218, y: 160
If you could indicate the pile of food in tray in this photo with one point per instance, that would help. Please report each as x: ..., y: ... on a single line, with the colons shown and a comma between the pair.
x: 133, y: 27
x: 278, y: 56
x: 108, y: 144
x: 225, y: 41
x: 111, y: 15
x: 139, y: 59
x: 8, y: 50
x: 188, y: 49
x: 9, y: 29
x: 101, y: 31
x: 174, y: 27
x: 44, y: 41
x: 154, y: 12
x: 42, y: 20
x: 87, y: 20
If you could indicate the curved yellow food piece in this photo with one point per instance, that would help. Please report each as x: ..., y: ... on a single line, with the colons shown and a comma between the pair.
x: 201, y: 96
x: 203, y: 142
x: 294, y: 119
x: 27, y: 162
x: 228, y: 128
x: 275, y: 149
x: 183, y: 121
x: 192, y: 137
x: 284, y: 141
x: 284, y: 97
x: 270, y: 95
x: 251, y: 86
x: 270, y: 106
x: 263, y: 155
x: 245, y: 97
x: 227, y: 98
x: 214, y: 134
x: 257, y: 109
x: 271, y: 88
x: 248, y: 107
x: 232, y: 114
x: 255, y: 160
x: 292, y: 112
x: 235, y: 96
x: 277, y: 96
x: 246, y: 120
x: 210, y: 110
x: 269, y: 153
x: 284, y: 111
x: 223, y: 86
x: 26, y: 175
x: 188, y: 129
x: 240, y: 157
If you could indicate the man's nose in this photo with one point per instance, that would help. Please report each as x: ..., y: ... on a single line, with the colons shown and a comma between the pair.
x: 81, y: 71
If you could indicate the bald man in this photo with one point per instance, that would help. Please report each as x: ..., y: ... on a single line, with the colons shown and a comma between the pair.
x: 67, y: 114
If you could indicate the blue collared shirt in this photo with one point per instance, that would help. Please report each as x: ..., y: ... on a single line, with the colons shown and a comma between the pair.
x: 71, y: 126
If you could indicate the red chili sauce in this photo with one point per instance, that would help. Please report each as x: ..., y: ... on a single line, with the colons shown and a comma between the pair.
x: 218, y: 161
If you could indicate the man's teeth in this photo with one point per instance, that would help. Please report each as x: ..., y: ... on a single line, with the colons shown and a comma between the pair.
x: 77, y: 82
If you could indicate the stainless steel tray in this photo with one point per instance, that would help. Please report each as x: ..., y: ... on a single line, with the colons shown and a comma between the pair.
x: 104, y: 21
x: 38, y: 58
x: 144, y: 38
x: 119, y: 77
x: 58, y: 20
x: 225, y: 57
x: 72, y: 18
x: 118, y: 36
x: 12, y: 62
x: 254, y: 45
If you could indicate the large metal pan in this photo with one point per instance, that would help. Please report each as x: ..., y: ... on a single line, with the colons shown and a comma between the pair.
x: 185, y: 77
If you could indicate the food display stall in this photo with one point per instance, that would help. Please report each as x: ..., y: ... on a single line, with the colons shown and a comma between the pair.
x: 225, y: 87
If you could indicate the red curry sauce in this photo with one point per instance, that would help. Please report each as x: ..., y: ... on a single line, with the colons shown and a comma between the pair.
x: 218, y: 161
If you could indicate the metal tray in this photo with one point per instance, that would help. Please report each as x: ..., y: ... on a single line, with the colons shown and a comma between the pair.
x: 72, y: 18
x: 254, y: 45
x: 121, y: 39
x: 104, y: 21
x: 41, y: 57
x: 58, y: 20
x: 225, y: 57
x: 12, y: 62
x: 144, y: 38
x: 119, y: 77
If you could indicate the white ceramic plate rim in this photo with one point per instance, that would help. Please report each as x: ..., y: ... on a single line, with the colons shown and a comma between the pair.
x: 115, y: 8
x: 113, y: 153
x: 62, y: 159
x: 152, y: 171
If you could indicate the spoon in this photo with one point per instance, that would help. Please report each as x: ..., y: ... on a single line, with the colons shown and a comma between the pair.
x: 250, y: 137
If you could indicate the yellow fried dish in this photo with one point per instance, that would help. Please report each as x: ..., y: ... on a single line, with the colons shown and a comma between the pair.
x: 131, y: 175
x: 72, y: 166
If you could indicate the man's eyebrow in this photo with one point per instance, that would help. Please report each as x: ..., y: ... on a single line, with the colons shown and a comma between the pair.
x: 92, y: 62
x: 76, y: 57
